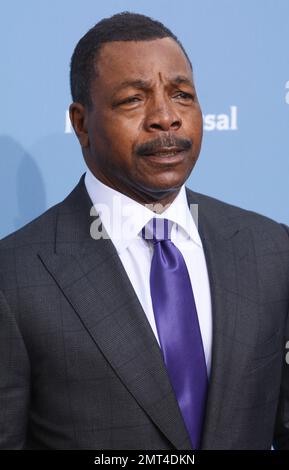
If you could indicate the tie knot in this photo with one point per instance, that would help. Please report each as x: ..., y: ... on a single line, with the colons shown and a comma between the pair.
x: 157, y: 230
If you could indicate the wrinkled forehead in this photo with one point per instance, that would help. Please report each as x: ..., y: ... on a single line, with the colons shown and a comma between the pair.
x: 122, y: 60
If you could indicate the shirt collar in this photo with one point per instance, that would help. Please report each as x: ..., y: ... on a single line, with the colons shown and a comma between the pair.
x: 123, y: 217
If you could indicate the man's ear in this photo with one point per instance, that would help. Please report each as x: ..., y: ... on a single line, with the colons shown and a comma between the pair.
x: 77, y: 115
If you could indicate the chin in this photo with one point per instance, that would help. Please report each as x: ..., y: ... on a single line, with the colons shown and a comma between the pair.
x: 168, y: 181
x: 163, y: 186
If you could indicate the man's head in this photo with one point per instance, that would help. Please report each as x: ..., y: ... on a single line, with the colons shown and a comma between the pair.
x: 135, y: 109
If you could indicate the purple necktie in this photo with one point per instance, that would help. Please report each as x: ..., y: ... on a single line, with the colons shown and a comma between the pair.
x: 178, y: 327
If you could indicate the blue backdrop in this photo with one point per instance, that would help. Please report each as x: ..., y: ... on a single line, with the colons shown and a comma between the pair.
x: 239, y: 50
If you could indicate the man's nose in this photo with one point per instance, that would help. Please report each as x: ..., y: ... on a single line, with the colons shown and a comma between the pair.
x: 162, y: 115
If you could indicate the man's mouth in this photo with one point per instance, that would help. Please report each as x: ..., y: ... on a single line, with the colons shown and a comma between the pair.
x: 165, y: 152
x: 168, y: 156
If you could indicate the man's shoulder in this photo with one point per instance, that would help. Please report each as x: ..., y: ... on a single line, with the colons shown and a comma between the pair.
x: 41, y: 230
x: 19, y: 250
x: 37, y: 232
x: 242, y: 218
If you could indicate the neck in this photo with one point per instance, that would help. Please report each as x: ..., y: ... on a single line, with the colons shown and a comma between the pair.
x: 155, y: 200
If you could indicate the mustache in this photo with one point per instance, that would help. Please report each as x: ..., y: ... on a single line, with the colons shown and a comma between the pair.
x: 153, y: 146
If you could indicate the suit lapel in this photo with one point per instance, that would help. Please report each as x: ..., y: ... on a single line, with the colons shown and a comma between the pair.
x: 225, y: 246
x: 92, y: 278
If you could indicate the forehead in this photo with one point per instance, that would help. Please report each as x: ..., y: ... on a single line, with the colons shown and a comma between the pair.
x: 121, y: 60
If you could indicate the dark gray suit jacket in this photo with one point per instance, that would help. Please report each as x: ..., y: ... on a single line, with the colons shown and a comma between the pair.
x: 80, y: 367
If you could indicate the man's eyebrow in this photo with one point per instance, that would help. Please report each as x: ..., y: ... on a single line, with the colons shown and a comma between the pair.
x: 182, y: 80
x: 134, y: 83
x: 146, y: 84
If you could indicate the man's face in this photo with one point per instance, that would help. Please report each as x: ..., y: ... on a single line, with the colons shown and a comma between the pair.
x: 144, y: 130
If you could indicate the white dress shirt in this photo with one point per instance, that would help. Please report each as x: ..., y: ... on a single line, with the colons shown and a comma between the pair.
x: 123, y: 218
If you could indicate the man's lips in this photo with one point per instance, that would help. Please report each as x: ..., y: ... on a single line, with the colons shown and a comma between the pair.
x: 164, y: 152
x: 166, y: 156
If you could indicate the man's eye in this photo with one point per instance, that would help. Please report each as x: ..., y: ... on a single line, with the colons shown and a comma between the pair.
x: 131, y: 99
x: 184, y: 96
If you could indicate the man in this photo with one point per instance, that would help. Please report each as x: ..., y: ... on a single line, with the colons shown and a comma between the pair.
x: 114, y: 338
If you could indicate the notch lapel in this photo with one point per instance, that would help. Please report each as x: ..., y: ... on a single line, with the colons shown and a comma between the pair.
x: 225, y: 245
